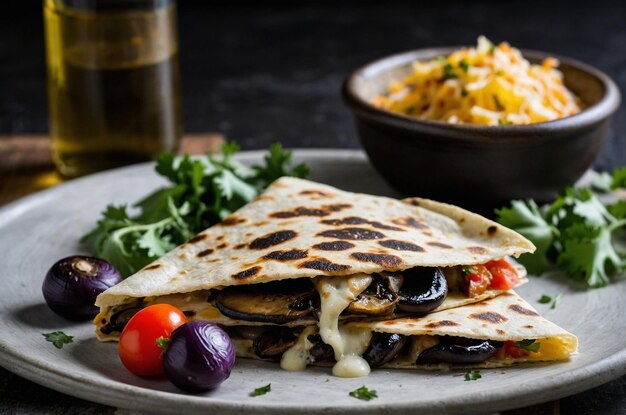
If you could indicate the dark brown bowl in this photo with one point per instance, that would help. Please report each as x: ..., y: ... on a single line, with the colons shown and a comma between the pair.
x: 480, y: 167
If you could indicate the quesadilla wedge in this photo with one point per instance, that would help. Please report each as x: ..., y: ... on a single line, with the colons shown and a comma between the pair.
x: 306, y: 254
x: 496, y: 332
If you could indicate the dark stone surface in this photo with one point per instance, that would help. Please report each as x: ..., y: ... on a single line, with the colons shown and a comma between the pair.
x: 260, y: 73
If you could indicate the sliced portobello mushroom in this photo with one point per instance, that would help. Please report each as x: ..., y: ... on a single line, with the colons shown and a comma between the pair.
x: 273, y: 342
x: 319, y: 350
x: 459, y: 350
x: 423, y: 290
x: 380, y: 297
x: 119, y: 319
x: 275, y: 302
x: 384, y: 347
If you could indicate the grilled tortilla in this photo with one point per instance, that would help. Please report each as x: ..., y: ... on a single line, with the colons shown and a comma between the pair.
x: 300, y: 237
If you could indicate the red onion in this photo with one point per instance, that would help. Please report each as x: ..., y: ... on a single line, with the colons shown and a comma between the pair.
x: 199, y: 357
x: 73, y: 283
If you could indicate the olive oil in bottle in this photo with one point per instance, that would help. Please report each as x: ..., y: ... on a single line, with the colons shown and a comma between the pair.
x: 113, y: 82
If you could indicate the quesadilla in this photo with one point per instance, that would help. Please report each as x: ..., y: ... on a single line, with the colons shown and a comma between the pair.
x: 303, y: 254
x: 497, y: 332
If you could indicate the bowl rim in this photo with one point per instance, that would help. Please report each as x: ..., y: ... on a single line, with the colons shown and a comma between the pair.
x: 603, y: 108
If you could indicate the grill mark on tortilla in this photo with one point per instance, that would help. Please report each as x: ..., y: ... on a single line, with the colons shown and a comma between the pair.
x: 219, y: 238
x: 286, y: 255
x: 197, y: 238
x: 529, y: 326
x: 355, y: 220
x: 385, y: 260
x: 322, y: 264
x: 222, y: 245
x: 521, y: 310
x: 410, y: 222
x: 336, y: 207
x: 492, y: 230
x: 240, y: 246
x: 401, y: 245
x: 272, y: 239
x: 151, y: 267
x: 204, y: 253
x: 479, y: 250
x: 439, y: 245
x: 489, y: 316
x: 333, y: 246
x: 353, y: 234
x: 299, y: 211
x: 246, y: 273
x: 442, y: 323
x: 232, y: 220
x: 500, y: 332
x: 317, y: 194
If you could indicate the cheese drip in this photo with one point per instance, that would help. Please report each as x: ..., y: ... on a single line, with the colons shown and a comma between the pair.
x: 336, y: 293
x: 297, y: 356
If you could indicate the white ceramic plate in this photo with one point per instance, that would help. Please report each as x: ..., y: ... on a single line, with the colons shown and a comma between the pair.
x: 40, y: 229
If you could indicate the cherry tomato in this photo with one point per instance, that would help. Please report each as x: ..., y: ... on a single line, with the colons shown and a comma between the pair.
x: 137, y: 347
x: 504, y: 275
x: 511, y: 350
x: 477, y: 279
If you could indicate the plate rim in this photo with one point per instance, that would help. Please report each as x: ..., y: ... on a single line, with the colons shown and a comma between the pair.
x: 114, y: 393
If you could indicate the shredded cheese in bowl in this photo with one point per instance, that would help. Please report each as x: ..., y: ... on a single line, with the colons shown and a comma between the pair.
x: 485, y: 85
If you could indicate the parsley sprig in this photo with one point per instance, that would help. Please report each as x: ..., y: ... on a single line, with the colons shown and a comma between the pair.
x: 262, y: 390
x: 201, y: 193
x: 472, y: 375
x: 364, y: 394
x: 577, y: 232
x: 58, y: 338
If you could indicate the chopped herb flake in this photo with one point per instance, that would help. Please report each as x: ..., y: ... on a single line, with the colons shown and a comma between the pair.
x: 363, y: 394
x: 448, y: 73
x: 545, y: 299
x: 499, y: 105
x: 58, y: 338
x: 556, y: 301
x: 492, y: 49
x: 262, y: 390
x: 464, y: 65
x: 410, y: 109
x: 503, y: 122
x: 463, y: 92
x: 528, y: 344
x: 472, y: 375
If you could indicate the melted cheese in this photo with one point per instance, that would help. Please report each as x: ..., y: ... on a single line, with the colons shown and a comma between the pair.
x: 336, y: 293
x: 297, y: 356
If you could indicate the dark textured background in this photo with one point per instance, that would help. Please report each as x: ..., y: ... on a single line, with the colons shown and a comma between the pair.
x: 265, y: 72
x: 261, y: 73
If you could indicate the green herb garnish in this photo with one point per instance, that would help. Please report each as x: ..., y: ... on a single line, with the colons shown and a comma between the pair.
x: 545, y: 299
x: 492, y: 49
x: 499, y: 105
x: 463, y: 92
x: 577, y: 232
x: 410, y: 109
x: 163, y: 342
x: 530, y: 345
x: 58, y: 338
x: 201, y: 193
x: 503, y: 122
x: 363, y: 394
x: 473, y: 375
x: 262, y: 390
x: 464, y: 65
x: 556, y: 301
x: 448, y: 72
